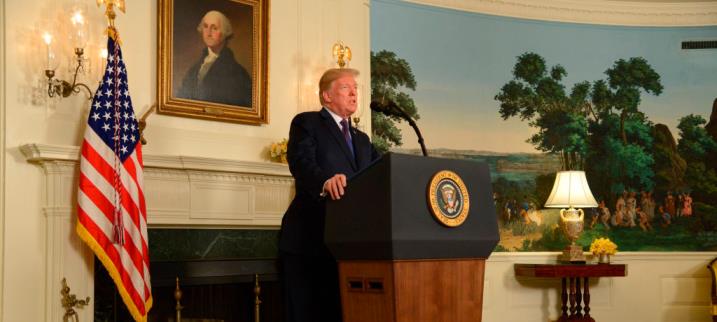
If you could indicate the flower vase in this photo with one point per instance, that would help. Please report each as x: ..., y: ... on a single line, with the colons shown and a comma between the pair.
x: 604, y: 259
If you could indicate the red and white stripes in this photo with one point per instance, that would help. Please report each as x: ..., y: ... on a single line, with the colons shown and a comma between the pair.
x: 127, y: 262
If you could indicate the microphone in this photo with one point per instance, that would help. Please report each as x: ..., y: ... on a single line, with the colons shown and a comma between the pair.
x: 380, y: 108
x: 389, y: 109
x: 392, y: 109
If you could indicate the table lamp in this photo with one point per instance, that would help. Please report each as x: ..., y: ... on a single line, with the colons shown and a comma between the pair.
x: 571, y: 190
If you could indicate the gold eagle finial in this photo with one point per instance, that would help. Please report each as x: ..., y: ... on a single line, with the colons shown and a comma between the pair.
x: 342, y: 53
x: 110, y: 13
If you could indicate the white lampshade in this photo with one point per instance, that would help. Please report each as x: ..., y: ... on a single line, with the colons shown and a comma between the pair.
x: 571, y: 190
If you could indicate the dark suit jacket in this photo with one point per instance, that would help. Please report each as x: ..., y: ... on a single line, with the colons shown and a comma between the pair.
x: 316, y: 152
x: 226, y: 82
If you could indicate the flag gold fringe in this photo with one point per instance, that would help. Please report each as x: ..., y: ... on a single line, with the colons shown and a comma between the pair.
x: 112, y: 270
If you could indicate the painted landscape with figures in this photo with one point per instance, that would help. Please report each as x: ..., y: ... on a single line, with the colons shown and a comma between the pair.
x: 627, y: 105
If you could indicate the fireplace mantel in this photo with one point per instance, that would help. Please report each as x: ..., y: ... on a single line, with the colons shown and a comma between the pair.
x: 39, y: 153
x: 187, y: 191
x: 181, y: 191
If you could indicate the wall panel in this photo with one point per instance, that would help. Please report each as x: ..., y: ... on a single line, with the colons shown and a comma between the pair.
x: 671, y: 286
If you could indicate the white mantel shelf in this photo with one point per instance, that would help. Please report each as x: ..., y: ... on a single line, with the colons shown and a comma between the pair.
x: 38, y: 153
x: 181, y: 191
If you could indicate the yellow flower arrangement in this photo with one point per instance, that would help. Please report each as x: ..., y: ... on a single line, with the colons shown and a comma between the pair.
x: 603, y: 246
x: 277, y: 151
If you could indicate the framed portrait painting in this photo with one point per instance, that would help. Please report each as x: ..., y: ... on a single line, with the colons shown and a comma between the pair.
x: 212, y: 59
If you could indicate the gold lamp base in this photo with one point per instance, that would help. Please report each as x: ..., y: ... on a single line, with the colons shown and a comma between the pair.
x: 573, y: 254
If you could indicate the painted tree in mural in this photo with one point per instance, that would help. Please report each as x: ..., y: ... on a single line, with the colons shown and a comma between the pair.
x: 595, y: 126
x: 535, y: 94
x: 695, y: 145
x: 390, y: 75
x: 621, y: 141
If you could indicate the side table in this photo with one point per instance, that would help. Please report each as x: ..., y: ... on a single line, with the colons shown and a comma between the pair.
x: 570, y: 275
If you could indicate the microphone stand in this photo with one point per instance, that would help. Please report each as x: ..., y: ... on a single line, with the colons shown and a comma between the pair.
x: 401, y: 113
x: 412, y: 123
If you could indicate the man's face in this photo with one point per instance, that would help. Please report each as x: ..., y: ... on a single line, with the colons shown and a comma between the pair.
x: 212, y: 33
x: 341, y: 97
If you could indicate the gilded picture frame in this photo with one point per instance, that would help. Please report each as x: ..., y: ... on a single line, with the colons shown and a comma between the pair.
x: 212, y: 59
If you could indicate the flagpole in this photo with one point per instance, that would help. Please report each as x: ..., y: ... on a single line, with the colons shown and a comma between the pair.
x: 110, y: 13
x: 111, y: 184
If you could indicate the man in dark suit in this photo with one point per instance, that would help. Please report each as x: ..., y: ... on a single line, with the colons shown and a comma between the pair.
x: 323, y: 151
x: 217, y: 77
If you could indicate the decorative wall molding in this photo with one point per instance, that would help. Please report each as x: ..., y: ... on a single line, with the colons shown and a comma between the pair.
x: 659, y: 286
x: 66, y: 257
x: 601, y: 12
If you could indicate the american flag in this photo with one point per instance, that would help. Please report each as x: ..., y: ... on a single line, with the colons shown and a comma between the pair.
x: 112, y: 216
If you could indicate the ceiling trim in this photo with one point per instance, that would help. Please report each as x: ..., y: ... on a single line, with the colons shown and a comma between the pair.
x: 620, y: 13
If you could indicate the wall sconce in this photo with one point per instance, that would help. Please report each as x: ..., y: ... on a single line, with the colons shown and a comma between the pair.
x: 571, y: 190
x: 78, y: 37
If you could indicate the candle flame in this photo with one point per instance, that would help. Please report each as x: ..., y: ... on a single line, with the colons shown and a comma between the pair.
x: 77, y: 18
x: 47, y: 38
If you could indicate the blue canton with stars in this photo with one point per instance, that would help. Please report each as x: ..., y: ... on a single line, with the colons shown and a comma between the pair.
x: 112, y: 116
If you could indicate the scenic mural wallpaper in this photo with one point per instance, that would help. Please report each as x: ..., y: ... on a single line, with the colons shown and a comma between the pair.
x: 625, y: 104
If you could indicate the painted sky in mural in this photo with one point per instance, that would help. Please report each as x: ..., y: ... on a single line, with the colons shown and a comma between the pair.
x: 461, y: 60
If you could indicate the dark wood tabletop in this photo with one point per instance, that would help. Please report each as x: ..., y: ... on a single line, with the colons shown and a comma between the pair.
x: 570, y: 270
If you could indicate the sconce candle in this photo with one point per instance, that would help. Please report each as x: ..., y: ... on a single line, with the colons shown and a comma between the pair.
x: 80, y: 26
x: 59, y: 87
x: 47, y: 38
x: 103, y: 61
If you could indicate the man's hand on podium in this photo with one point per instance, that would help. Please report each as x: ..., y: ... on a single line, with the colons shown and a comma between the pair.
x: 335, y: 186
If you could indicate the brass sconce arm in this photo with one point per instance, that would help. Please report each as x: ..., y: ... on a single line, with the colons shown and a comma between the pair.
x: 62, y: 87
x: 70, y: 302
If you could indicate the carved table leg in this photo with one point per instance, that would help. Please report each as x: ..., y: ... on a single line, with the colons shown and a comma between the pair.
x: 564, y: 301
x: 572, y: 299
x: 586, y: 297
x: 578, y: 300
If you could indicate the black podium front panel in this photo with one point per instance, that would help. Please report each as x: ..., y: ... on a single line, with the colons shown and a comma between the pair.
x: 385, y: 213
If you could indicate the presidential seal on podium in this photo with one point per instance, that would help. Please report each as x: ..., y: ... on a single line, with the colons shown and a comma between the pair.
x: 448, y: 198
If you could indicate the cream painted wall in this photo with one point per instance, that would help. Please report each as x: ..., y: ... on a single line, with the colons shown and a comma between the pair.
x: 2, y: 147
x: 301, y: 35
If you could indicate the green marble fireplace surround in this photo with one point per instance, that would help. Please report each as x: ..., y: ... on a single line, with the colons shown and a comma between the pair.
x: 212, y: 244
x: 216, y: 268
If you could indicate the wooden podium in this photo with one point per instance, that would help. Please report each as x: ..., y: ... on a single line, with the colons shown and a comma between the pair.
x: 396, y: 261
